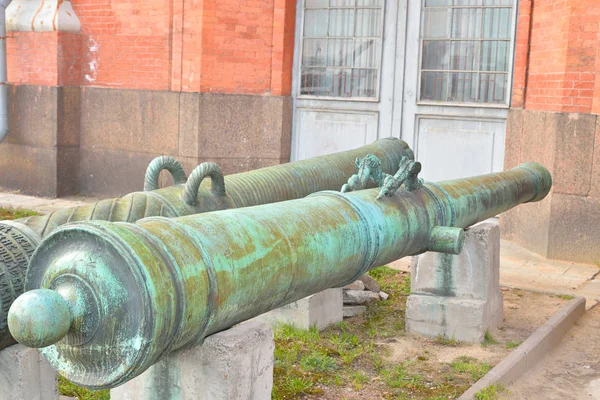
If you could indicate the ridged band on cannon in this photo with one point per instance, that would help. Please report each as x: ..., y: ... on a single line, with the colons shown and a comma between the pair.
x: 132, y: 293
x: 194, y: 195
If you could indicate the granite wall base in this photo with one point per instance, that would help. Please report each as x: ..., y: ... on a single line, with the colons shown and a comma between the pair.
x: 565, y: 225
x: 95, y: 141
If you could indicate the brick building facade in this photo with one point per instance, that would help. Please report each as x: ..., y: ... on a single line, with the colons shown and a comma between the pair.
x: 201, y: 80
x: 554, y: 120
x: 208, y: 80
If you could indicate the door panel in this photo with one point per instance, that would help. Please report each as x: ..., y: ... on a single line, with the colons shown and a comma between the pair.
x: 454, y: 147
x: 458, y: 75
x: 344, y: 74
x: 329, y: 131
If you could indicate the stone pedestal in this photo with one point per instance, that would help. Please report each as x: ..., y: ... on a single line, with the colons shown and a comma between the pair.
x: 458, y: 296
x: 236, y: 364
x: 321, y: 310
x: 26, y: 375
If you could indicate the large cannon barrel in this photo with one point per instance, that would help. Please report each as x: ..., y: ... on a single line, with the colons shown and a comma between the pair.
x: 18, y: 239
x: 112, y: 299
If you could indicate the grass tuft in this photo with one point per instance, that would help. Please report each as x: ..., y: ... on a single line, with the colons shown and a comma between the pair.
x: 383, y: 272
x: 68, y: 388
x: 16, y: 213
x: 471, y: 366
x: 512, y: 345
x: 490, y: 393
x: 446, y: 341
x: 316, y: 362
x: 488, y: 339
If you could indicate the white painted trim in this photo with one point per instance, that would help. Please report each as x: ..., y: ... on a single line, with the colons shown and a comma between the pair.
x: 399, y: 68
x: 295, y: 82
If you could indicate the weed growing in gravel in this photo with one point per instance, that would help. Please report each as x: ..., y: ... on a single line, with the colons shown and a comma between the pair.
x: 446, y: 341
x: 566, y: 297
x: 488, y: 339
x: 471, y: 366
x: 490, y: 393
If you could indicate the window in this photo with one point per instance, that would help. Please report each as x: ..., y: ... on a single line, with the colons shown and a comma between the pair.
x: 341, y: 48
x: 465, y: 50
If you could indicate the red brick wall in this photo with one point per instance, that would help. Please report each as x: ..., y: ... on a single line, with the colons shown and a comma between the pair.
x: 222, y: 46
x: 557, y: 56
x: 556, y: 93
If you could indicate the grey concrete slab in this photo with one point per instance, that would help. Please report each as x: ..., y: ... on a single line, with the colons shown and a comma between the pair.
x: 26, y: 375
x: 321, y: 310
x: 531, y: 351
x: 236, y: 364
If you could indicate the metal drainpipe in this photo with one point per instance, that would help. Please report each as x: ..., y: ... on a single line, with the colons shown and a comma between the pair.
x: 3, y: 75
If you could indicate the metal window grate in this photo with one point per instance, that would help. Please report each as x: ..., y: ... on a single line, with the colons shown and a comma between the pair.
x: 465, y: 50
x: 341, y: 48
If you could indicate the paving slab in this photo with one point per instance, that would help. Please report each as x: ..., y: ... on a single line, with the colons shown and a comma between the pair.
x: 41, y: 204
x: 528, y: 355
x: 523, y: 269
x: 569, y: 372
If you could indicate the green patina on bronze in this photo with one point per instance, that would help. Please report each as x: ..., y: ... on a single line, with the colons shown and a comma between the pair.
x: 18, y: 239
x: 162, y: 284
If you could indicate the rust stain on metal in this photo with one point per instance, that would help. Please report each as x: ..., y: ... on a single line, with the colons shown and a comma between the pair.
x: 59, y: 3
x: 36, y: 14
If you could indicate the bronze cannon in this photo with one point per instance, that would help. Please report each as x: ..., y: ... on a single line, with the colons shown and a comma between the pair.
x: 18, y: 239
x: 112, y: 299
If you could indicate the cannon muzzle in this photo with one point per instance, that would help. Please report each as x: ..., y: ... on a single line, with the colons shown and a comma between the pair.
x: 128, y: 294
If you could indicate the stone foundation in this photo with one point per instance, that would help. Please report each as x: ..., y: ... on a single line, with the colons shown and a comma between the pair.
x: 95, y: 141
x: 320, y: 310
x: 565, y: 225
x: 26, y: 375
x: 458, y: 296
x: 236, y: 364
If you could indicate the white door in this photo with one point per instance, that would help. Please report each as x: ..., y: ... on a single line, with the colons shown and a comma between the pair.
x: 458, y: 79
x: 344, y: 50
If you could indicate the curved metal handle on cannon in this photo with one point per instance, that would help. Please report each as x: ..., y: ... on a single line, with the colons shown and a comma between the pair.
x: 159, y: 164
x: 212, y: 170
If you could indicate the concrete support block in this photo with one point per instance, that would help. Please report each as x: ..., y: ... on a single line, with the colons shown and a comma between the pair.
x: 26, y: 375
x: 321, y: 310
x: 236, y: 364
x: 458, y: 296
x: 353, y: 311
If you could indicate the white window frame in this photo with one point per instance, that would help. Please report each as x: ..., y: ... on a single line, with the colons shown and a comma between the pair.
x: 510, y: 62
x: 301, y: 53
